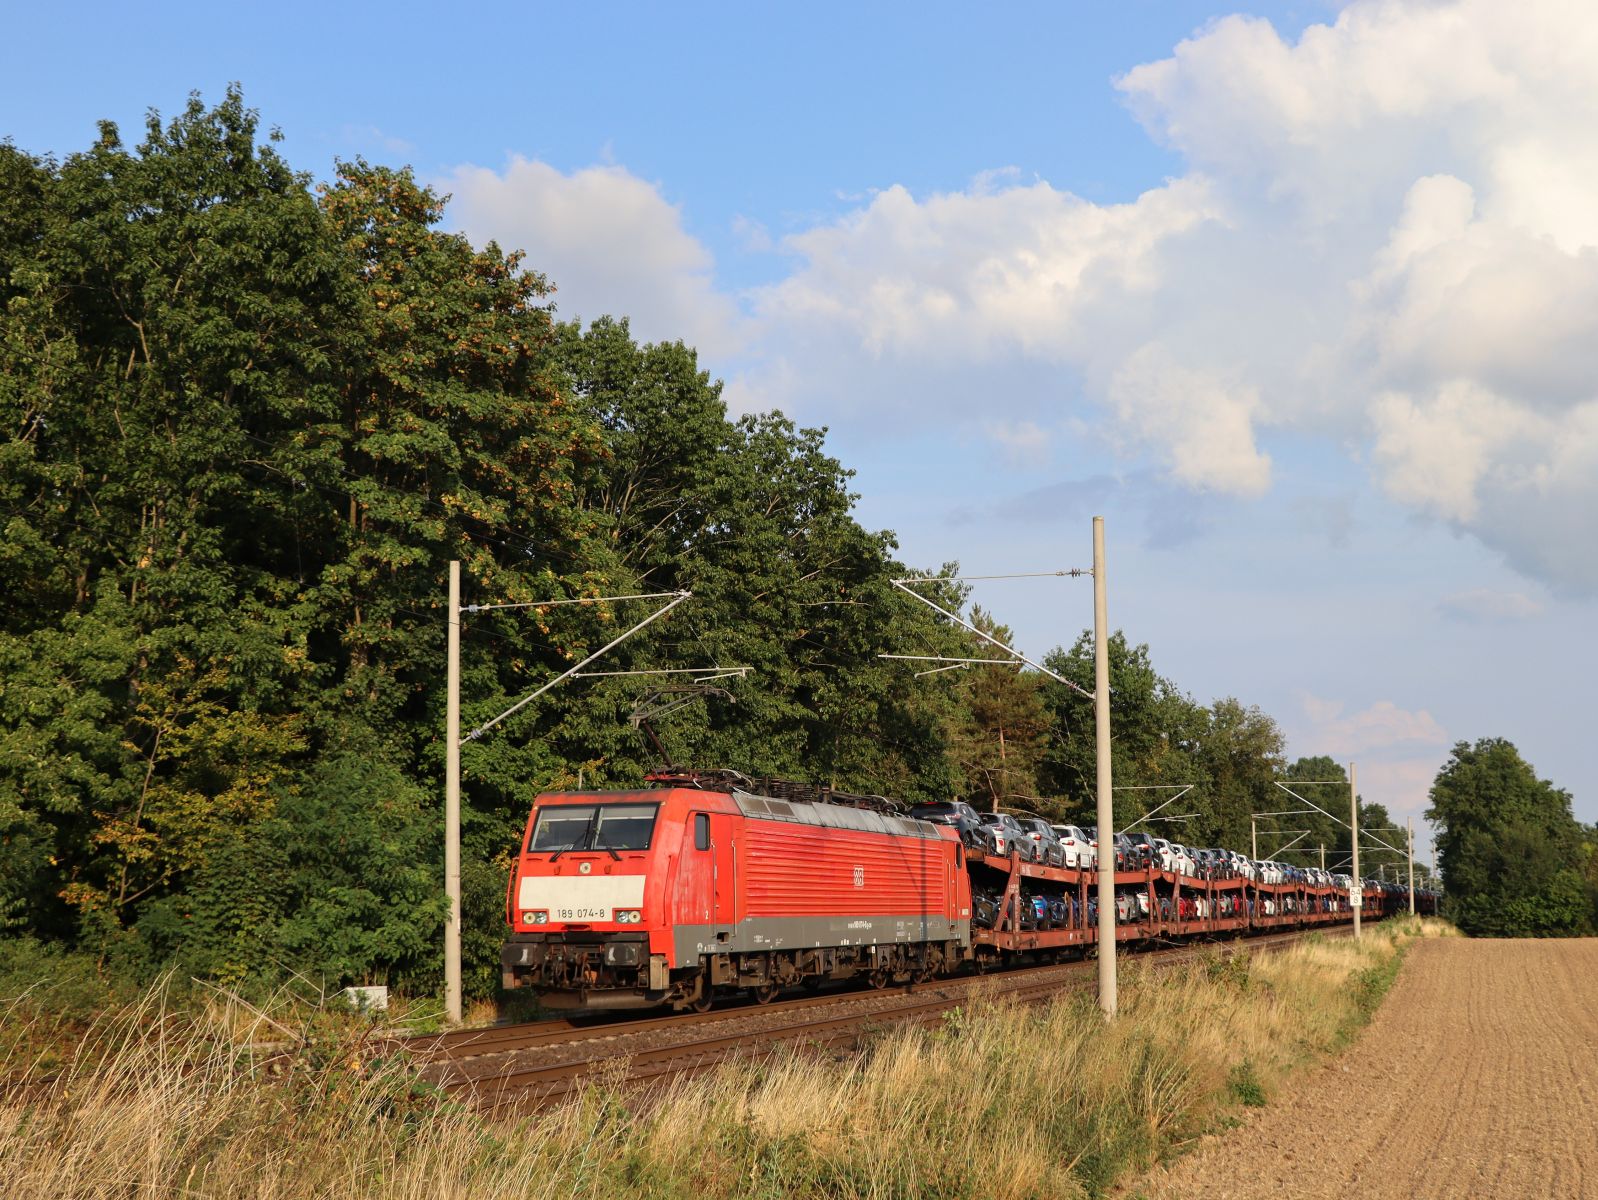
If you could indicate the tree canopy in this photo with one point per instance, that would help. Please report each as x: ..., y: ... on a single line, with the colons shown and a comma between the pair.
x: 248, y: 421
x: 1516, y: 861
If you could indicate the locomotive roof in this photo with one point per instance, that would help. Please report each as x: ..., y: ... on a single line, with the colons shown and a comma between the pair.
x: 832, y: 816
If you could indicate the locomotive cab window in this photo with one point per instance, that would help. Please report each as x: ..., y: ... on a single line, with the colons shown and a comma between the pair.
x: 701, y: 831
x: 593, y: 827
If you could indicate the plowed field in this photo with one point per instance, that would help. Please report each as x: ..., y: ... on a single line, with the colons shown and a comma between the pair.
x: 1478, y: 1078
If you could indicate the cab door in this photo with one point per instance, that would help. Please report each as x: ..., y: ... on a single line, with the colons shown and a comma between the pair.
x: 706, y: 886
x: 724, y: 875
x: 695, y: 871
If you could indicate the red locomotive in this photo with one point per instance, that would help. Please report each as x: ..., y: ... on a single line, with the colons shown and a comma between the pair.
x: 663, y: 896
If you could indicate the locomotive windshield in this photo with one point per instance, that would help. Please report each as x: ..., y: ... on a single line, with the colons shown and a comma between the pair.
x: 593, y: 827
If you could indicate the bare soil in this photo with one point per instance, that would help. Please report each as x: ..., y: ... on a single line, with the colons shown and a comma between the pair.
x: 1477, y: 1078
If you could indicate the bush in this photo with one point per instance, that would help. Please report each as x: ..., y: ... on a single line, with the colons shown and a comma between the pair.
x: 1244, y: 1085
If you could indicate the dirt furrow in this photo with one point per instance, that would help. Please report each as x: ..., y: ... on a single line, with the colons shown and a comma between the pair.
x: 1478, y: 1078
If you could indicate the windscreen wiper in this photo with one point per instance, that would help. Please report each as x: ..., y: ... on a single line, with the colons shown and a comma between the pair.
x: 586, y: 839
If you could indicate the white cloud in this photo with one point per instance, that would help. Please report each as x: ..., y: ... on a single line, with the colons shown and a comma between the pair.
x: 972, y: 275
x: 1487, y: 604
x: 1385, y: 234
x: 369, y: 135
x: 1022, y: 443
x: 1397, y: 751
x: 1403, y: 787
x: 608, y: 240
x: 1437, y: 451
x: 1380, y: 727
x: 1428, y: 175
x: 1202, y: 420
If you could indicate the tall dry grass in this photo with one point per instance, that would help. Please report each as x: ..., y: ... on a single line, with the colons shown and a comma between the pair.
x: 998, y: 1101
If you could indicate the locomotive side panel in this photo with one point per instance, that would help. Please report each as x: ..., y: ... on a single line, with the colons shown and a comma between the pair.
x: 813, y: 876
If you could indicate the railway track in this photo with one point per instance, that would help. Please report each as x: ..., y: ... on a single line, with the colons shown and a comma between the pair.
x: 496, y: 1068
x: 464, y: 1044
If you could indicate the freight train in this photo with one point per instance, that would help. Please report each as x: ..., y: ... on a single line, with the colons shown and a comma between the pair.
x: 708, y: 883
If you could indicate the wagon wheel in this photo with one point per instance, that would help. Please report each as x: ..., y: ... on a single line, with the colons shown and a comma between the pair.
x: 878, y: 979
x: 812, y: 983
x: 765, y: 993
x: 702, y: 1002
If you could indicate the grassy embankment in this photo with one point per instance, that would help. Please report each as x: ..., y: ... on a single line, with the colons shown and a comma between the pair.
x: 999, y: 1102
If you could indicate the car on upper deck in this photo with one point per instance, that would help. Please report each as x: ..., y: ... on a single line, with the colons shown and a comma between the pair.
x: 1009, y: 836
x: 1050, y: 851
x: 1077, y: 845
x: 961, y: 817
x: 1143, y: 852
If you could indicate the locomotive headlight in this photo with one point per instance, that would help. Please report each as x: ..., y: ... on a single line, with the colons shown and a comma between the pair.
x: 535, y: 917
x: 629, y: 916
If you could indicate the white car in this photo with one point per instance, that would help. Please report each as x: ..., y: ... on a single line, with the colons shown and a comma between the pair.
x: 1178, y: 857
x: 1079, y: 852
x: 1186, y: 864
x: 1166, y: 854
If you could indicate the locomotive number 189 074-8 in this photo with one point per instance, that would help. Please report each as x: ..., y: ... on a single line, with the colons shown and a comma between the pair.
x: 582, y: 912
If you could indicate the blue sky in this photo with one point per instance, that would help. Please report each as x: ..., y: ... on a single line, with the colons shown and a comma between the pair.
x: 1299, y: 297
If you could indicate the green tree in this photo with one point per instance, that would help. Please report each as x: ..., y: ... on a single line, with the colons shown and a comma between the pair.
x: 1376, y: 824
x: 244, y: 431
x: 159, y: 307
x: 1323, y: 782
x: 1238, y: 756
x: 755, y: 518
x: 1509, y: 849
x: 1154, y: 730
x: 998, y: 741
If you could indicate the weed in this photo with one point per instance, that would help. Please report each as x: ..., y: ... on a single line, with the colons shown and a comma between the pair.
x: 1231, y: 969
x: 1244, y: 1085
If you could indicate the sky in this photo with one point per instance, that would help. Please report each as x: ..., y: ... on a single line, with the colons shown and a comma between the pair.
x: 1302, y: 298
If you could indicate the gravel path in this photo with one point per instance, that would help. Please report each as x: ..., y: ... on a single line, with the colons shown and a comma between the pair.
x: 1478, y: 1078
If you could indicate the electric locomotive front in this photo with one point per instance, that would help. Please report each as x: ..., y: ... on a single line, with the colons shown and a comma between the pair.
x: 586, y: 900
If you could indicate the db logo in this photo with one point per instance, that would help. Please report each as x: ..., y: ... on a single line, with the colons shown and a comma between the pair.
x: 860, y: 877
